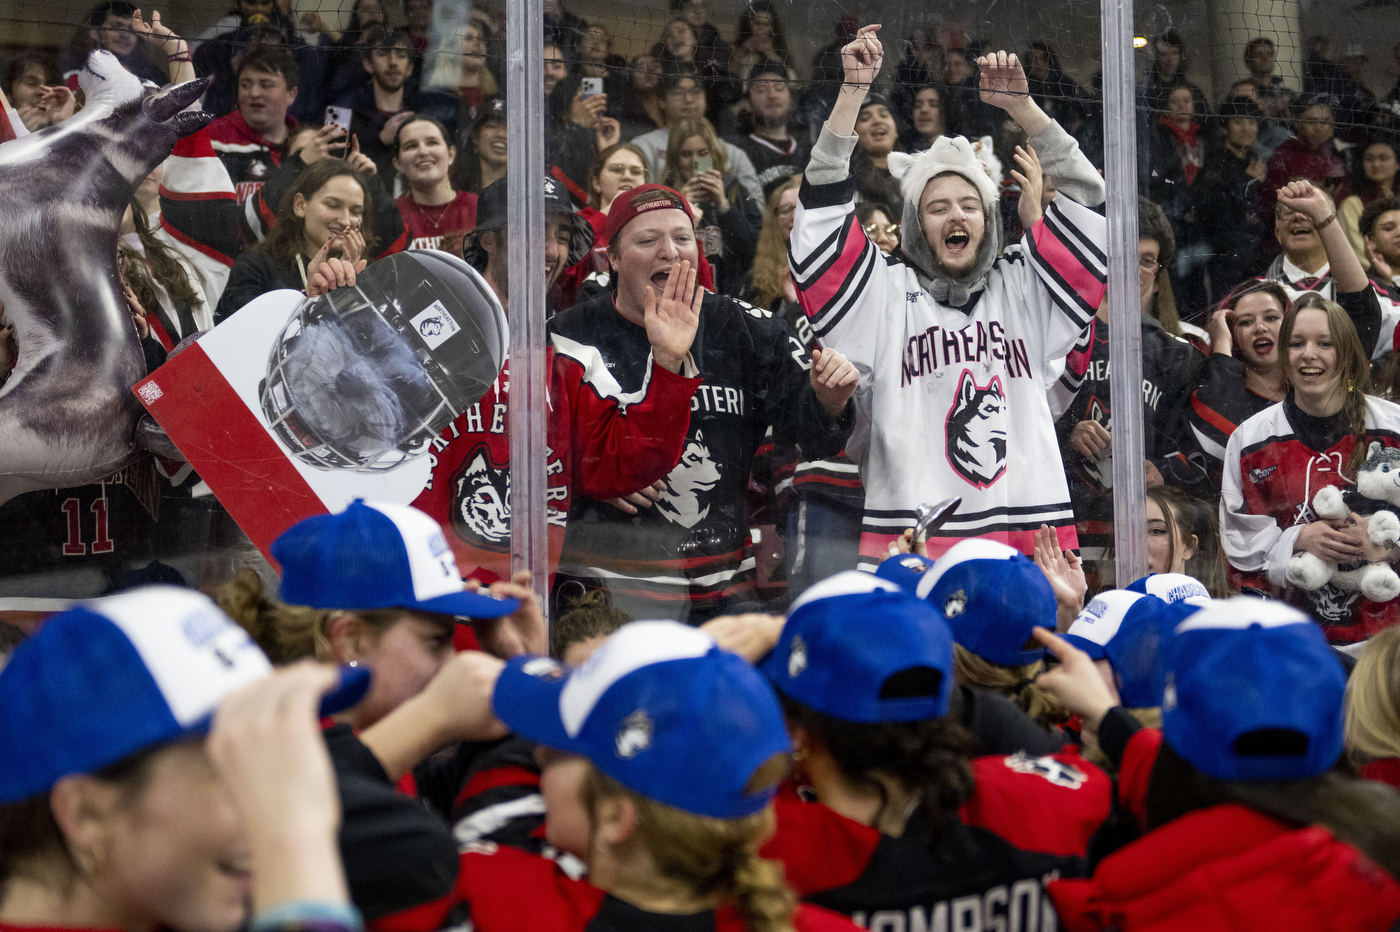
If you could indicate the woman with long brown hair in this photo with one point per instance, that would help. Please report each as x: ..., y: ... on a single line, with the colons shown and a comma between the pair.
x: 1278, y: 460
x: 1241, y: 376
x: 329, y: 211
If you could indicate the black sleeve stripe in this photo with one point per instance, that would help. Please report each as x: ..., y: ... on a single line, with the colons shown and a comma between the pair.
x: 826, y: 195
x: 843, y: 291
x: 1055, y: 218
x: 831, y: 244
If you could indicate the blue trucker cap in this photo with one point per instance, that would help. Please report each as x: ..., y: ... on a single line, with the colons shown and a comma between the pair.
x: 992, y: 597
x: 661, y: 709
x: 905, y: 569
x: 859, y: 648
x: 114, y: 676
x: 1253, y: 693
x: 377, y: 555
x: 1173, y: 587
x: 1131, y: 631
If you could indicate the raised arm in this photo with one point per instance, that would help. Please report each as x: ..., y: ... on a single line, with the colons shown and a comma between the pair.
x: 861, y: 59
x: 1314, y: 203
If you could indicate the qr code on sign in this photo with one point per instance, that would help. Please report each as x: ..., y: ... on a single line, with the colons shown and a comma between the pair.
x: 149, y: 392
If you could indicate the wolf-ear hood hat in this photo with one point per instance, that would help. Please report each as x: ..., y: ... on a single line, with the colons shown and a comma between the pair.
x: 956, y: 155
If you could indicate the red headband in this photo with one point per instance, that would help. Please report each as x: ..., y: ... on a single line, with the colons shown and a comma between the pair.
x: 627, y: 205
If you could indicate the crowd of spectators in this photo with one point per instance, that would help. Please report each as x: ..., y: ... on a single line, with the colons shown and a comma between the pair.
x: 335, y: 143
x: 790, y: 308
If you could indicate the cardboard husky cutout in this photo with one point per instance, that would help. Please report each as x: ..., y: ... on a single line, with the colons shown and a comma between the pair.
x: 67, y: 414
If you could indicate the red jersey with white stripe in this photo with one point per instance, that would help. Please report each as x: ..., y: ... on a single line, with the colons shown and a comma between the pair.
x: 603, y: 442
x: 1275, y: 463
x: 952, y: 401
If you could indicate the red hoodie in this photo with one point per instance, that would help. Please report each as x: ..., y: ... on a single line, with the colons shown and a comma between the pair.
x: 1231, y: 869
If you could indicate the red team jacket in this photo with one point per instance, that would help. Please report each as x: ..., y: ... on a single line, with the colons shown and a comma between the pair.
x: 602, y: 442
x: 1029, y: 821
x: 1224, y: 869
x: 510, y: 891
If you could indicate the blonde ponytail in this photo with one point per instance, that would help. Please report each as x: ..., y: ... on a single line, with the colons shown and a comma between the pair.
x: 1015, y: 683
x: 286, y: 633
x: 760, y: 892
x: 710, y: 856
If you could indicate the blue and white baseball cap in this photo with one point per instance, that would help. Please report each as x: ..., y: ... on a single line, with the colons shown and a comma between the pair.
x: 906, y: 569
x: 1131, y: 631
x: 1098, y: 622
x: 377, y: 556
x: 114, y: 676
x: 859, y: 648
x: 1253, y: 693
x: 661, y: 709
x: 992, y: 596
x: 1173, y: 587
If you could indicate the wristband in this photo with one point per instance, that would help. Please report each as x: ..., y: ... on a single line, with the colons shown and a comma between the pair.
x: 178, y: 58
x: 1330, y: 217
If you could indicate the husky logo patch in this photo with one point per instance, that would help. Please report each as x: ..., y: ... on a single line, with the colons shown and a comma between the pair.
x: 797, y: 656
x: 1331, y: 605
x: 955, y: 604
x: 481, y: 502
x: 976, y: 431
x: 1259, y: 475
x: 687, y: 498
x: 1057, y: 772
x: 633, y: 735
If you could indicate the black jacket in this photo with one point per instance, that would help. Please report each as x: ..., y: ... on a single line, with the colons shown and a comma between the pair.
x: 1169, y: 370
x: 255, y: 274
x: 399, y: 857
x: 1226, y: 202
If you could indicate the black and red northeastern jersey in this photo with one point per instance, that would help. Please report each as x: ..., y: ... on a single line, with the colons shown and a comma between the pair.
x: 1029, y: 821
x: 512, y: 891
x: 1273, y: 469
x: 693, y: 546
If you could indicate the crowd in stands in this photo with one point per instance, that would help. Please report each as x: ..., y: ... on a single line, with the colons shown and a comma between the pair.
x: 791, y: 305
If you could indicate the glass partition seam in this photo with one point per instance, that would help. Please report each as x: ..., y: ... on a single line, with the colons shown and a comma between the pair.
x: 1124, y: 302
x: 525, y: 236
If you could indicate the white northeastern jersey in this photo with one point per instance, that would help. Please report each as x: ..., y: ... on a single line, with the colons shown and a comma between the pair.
x: 952, y: 401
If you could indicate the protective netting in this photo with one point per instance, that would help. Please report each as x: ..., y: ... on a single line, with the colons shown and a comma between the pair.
x: 1235, y: 98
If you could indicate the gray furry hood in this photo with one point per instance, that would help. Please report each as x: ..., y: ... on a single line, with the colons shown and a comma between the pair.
x: 956, y: 155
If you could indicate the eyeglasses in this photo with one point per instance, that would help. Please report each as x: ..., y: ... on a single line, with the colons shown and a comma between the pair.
x: 1148, y: 264
x: 888, y: 229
